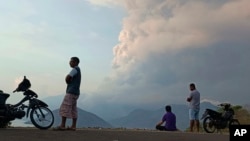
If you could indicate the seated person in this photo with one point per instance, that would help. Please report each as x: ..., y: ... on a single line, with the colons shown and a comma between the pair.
x: 170, y: 121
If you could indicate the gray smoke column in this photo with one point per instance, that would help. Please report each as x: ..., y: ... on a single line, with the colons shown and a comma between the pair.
x: 167, y: 26
x: 165, y: 44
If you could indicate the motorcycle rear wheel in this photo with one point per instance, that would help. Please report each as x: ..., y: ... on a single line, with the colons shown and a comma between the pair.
x: 209, y: 125
x: 40, y: 121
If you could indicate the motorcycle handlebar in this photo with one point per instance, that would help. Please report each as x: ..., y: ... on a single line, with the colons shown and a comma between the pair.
x: 224, y: 104
x: 32, y: 94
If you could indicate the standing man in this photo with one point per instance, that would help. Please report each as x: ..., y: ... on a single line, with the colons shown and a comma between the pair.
x: 170, y: 121
x: 194, y: 107
x: 68, y: 107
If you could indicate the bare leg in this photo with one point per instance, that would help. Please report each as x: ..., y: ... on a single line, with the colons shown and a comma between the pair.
x: 63, y: 122
x: 74, y: 120
x: 191, y: 125
x: 197, y: 123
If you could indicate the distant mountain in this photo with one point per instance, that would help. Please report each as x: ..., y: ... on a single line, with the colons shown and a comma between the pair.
x: 85, y: 119
x: 141, y: 118
x: 106, y: 111
x: 138, y: 118
x: 54, y: 102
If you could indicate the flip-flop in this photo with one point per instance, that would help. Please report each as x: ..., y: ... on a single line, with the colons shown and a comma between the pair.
x: 59, y: 128
x: 71, y: 129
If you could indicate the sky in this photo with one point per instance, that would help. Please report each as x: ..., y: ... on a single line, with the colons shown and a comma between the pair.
x: 133, y: 53
x: 38, y: 38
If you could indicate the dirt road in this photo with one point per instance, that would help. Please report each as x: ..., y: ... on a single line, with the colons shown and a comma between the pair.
x: 31, y: 134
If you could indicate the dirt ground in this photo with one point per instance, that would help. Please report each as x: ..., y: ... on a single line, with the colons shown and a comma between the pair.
x: 33, y: 134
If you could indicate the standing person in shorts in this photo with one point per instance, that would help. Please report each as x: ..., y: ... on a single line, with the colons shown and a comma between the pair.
x: 194, y: 107
x: 68, y: 107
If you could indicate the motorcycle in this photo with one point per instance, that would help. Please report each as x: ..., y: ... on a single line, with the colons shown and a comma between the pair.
x: 213, y: 120
x: 39, y: 113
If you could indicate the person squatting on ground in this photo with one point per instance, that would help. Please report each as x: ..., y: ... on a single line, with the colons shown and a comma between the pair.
x: 68, y: 108
x: 194, y: 107
x: 170, y: 121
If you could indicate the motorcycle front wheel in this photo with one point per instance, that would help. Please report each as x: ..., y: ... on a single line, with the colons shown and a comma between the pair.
x: 209, y: 125
x: 42, y: 117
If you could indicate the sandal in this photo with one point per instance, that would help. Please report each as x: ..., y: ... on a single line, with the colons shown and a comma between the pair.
x: 71, y: 129
x: 59, y: 128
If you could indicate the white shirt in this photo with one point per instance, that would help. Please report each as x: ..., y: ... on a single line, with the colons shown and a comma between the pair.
x: 73, y: 72
x: 195, y: 99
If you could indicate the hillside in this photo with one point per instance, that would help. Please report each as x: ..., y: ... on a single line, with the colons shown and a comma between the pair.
x: 141, y: 118
x: 138, y: 118
x: 85, y: 119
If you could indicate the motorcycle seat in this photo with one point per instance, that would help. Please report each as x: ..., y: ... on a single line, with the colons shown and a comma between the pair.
x: 213, y: 113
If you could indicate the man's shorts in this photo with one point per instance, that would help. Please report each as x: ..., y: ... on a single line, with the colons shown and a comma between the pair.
x: 194, y: 114
x: 68, y: 107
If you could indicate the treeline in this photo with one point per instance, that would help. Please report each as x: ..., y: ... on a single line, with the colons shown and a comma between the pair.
x: 242, y: 114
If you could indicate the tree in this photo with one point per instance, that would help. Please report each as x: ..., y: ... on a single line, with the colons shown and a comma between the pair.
x: 242, y: 114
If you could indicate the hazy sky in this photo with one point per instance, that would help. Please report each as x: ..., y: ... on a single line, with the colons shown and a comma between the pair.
x: 38, y: 38
x: 132, y: 52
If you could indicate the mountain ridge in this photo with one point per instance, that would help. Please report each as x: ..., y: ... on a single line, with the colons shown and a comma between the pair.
x: 141, y: 118
x: 136, y: 117
x: 85, y: 119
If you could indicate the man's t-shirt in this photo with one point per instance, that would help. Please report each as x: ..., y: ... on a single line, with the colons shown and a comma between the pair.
x: 195, y: 102
x: 74, y: 86
x: 170, y: 121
